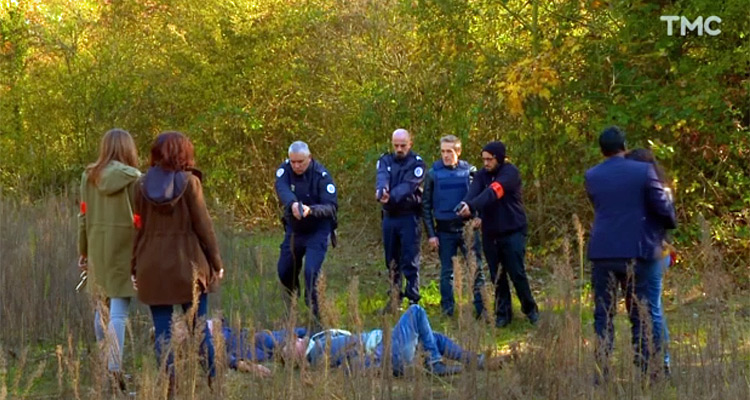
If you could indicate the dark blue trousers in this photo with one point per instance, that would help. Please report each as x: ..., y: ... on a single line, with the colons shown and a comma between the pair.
x: 401, y: 237
x: 450, y: 244
x: 310, y: 247
x: 508, y: 252
x: 636, y: 278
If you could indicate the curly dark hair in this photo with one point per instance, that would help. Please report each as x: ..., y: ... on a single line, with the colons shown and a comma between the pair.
x: 172, y: 151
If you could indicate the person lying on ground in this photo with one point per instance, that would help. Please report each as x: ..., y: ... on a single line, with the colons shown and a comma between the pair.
x: 346, y: 349
x: 367, y: 350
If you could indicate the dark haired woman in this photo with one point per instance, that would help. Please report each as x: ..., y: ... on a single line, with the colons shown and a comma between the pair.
x: 662, y: 261
x: 176, y: 257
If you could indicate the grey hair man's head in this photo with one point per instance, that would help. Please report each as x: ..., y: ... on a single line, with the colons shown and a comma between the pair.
x: 299, y: 157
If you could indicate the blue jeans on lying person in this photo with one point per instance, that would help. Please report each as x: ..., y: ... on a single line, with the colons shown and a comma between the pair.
x: 410, y: 331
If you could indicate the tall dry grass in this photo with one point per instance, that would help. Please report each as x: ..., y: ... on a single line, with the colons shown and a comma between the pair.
x: 47, y: 344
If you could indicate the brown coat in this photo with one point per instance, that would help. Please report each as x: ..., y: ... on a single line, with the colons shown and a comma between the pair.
x: 175, y: 238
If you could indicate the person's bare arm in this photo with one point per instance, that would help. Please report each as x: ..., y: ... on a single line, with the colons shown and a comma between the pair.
x: 257, y: 370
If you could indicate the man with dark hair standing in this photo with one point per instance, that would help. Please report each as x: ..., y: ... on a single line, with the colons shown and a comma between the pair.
x: 623, y: 192
x: 397, y: 188
x: 308, y: 195
x: 496, y: 195
x: 446, y: 184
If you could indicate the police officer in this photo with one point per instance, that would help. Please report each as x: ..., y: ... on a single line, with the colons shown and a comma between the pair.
x: 496, y: 195
x: 446, y: 184
x: 308, y: 195
x: 397, y: 188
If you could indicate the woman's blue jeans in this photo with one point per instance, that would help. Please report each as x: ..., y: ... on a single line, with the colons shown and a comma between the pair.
x: 162, y: 317
x: 115, y: 333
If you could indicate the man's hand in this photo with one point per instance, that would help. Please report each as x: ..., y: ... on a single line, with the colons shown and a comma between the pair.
x: 83, y: 263
x: 305, y: 211
x: 135, y: 283
x: 385, y: 196
x: 221, y: 274
x: 258, y: 370
x: 464, y: 211
x: 295, y: 210
x: 434, y: 242
x: 477, y: 223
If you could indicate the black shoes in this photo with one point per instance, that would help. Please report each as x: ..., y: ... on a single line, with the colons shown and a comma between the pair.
x: 439, y: 368
x: 534, y: 317
x: 501, y: 322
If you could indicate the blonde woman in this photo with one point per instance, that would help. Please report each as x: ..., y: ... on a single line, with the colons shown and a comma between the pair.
x: 105, y: 238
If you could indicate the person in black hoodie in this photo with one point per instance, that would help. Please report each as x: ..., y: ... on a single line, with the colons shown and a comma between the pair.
x: 308, y: 195
x: 496, y: 195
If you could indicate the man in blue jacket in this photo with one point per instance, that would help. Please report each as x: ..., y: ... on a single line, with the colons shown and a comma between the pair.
x: 496, y: 195
x: 446, y: 184
x: 397, y: 188
x: 308, y: 195
x: 625, y: 194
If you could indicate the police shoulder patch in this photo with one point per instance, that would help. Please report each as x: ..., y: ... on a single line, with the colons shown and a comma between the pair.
x: 330, y: 188
x: 418, y: 172
x: 279, y: 172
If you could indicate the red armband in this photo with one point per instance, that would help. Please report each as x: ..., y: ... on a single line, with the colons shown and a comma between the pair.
x: 498, y: 189
x: 137, y: 221
x: 83, y: 208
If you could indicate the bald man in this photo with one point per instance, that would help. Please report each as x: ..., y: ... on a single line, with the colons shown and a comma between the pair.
x: 397, y: 188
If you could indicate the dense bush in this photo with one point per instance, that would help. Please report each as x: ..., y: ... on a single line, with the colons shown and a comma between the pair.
x: 245, y: 78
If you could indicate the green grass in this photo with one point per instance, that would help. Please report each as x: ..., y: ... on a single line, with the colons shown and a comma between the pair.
x: 711, y: 348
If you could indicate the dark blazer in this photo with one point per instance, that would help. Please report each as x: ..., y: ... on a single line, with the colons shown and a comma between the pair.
x: 625, y: 193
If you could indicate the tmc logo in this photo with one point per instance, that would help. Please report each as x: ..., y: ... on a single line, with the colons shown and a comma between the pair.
x: 685, y: 25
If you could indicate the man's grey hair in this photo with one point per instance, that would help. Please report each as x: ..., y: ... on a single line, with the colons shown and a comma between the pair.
x: 299, y: 147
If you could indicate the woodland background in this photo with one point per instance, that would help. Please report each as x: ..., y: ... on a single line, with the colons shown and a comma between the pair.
x: 245, y: 78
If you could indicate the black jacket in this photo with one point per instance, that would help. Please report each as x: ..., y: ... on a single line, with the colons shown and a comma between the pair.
x: 496, y: 195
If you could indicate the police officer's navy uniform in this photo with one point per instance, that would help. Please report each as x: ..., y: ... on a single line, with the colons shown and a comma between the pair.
x: 306, y: 238
x: 401, y: 230
x: 496, y: 195
x: 444, y: 188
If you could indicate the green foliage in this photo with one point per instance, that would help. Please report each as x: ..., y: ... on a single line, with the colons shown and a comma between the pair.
x: 245, y: 78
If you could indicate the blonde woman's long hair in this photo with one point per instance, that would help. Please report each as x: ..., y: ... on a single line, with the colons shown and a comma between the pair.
x: 116, y: 145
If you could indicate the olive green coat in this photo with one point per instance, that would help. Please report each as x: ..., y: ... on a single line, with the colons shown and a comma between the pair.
x: 106, y: 231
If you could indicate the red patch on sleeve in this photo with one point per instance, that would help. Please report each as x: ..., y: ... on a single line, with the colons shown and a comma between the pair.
x: 498, y: 189
x: 83, y: 208
x: 137, y: 221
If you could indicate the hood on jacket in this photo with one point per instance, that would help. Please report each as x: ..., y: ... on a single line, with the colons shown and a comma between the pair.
x: 161, y: 186
x: 116, y: 176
